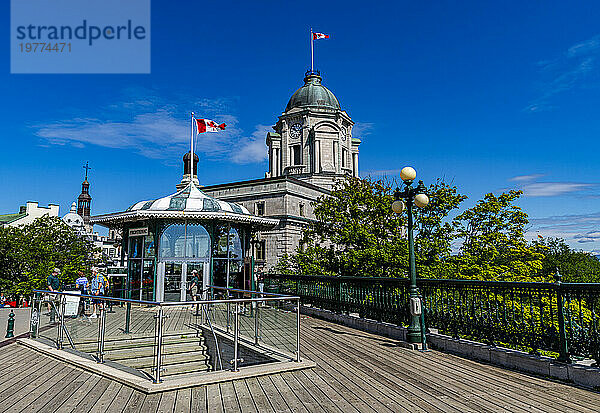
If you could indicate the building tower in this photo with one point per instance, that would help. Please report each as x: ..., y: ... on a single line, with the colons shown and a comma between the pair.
x: 84, y: 201
x: 313, y: 137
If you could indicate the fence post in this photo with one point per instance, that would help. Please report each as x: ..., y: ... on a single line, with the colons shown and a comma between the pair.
x: 257, y: 323
x: 236, y: 337
x: 10, y: 325
x: 61, y: 323
x: 298, y: 330
x: 422, y: 322
x: 563, y: 348
x: 101, y: 331
x: 159, y: 336
x: 127, y: 318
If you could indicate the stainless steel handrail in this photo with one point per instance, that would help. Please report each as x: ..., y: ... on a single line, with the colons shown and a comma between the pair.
x: 214, y: 336
x: 247, y: 291
x: 263, y: 297
x: 99, y: 297
x: 279, y: 297
x: 64, y: 329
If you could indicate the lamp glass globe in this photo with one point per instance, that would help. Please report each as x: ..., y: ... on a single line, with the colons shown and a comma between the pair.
x: 408, y: 174
x: 398, y: 206
x: 421, y: 200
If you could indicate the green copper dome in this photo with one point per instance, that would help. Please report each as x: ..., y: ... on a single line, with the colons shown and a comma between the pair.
x: 313, y: 94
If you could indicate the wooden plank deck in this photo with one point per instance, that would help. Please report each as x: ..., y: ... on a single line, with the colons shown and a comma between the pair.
x: 356, y: 372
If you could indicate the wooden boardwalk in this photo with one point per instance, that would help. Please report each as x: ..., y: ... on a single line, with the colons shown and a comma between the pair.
x: 356, y: 372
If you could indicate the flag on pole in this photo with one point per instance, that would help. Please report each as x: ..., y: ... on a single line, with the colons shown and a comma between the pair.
x: 320, y: 36
x: 207, y: 125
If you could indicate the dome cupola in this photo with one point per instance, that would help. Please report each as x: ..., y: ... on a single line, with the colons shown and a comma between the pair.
x: 313, y: 94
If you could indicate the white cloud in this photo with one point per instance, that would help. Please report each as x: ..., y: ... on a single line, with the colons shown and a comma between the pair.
x: 159, y: 128
x: 531, y: 188
x: 526, y: 178
x: 361, y: 129
x: 573, y: 69
x: 253, y: 148
x: 581, y: 230
x: 553, y: 188
x: 591, y: 236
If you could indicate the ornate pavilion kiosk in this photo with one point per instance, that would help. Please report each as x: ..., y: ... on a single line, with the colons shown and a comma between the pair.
x: 167, y: 238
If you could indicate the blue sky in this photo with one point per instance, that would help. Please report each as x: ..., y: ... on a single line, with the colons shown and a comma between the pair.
x: 489, y: 96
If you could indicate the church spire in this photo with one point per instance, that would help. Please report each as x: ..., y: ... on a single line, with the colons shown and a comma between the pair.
x: 84, y: 200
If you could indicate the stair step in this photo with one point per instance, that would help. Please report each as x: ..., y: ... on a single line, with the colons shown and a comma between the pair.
x: 177, y: 369
x: 136, y: 337
x: 138, y: 343
x: 167, y: 360
x: 175, y: 348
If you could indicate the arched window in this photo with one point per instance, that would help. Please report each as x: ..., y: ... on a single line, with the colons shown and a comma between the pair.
x: 235, y: 245
x: 184, y: 241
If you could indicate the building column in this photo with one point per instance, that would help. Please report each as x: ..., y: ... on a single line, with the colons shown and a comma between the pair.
x: 317, y: 156
x: 355, y: 164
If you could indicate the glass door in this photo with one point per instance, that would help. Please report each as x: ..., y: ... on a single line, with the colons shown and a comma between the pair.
x: 135, y: 278
x: 147, y: 292
x: 199, y: 267
x: 173, y: 272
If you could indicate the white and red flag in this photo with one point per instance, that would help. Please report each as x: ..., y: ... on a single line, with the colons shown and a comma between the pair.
x: 207, y: 125
x: 320, y: 36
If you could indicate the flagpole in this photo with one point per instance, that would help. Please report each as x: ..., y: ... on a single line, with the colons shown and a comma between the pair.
x: 192, y: 150
x: 312, y: 51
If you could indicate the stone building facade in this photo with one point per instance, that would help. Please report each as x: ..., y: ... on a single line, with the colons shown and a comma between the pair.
x: 27, y: 214
x: 311, y: 150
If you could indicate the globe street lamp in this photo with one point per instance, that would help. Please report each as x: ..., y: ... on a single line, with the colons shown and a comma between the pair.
x: 403, y: 199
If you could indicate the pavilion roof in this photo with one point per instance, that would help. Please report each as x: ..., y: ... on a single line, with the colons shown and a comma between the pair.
x: 188, y: 203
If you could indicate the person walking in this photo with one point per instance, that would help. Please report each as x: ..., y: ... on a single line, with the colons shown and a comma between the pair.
x: 54, y: 286
x: 194, y: 282
x: 97, y: 289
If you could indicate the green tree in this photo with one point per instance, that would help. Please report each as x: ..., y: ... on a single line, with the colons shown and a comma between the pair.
x: 575, y: 266
x: 357, y: 234
x: 32, y: 251
x: 434, y: 232
x: 11, y: 257
x: 493, y: 241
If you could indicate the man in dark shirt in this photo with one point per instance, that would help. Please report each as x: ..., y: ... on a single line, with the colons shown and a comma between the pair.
x: 53, y: 281
x: 53, y: 285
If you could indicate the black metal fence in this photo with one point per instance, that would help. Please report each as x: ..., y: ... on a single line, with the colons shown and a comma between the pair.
x: 519, y: 315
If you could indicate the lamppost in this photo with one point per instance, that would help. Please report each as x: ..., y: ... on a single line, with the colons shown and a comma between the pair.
x: 404, y: 199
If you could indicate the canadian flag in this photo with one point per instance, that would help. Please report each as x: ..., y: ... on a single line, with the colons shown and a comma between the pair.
x: 320, y: 36
x: 207, y: 125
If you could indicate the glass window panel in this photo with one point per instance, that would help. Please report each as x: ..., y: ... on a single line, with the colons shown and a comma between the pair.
x: 235, y: 244
x: 198, y: 242
x: 149, y: 246
x: 177, y: 241
x: 135, y: 247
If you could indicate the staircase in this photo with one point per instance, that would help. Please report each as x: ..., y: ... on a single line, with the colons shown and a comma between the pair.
x: 182, y: 353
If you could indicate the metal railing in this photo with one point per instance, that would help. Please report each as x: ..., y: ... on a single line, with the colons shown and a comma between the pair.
x: 252, y: 311
x: 560, y: 319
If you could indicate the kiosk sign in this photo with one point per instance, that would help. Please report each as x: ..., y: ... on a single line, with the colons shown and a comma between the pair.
x: 138, y: 232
